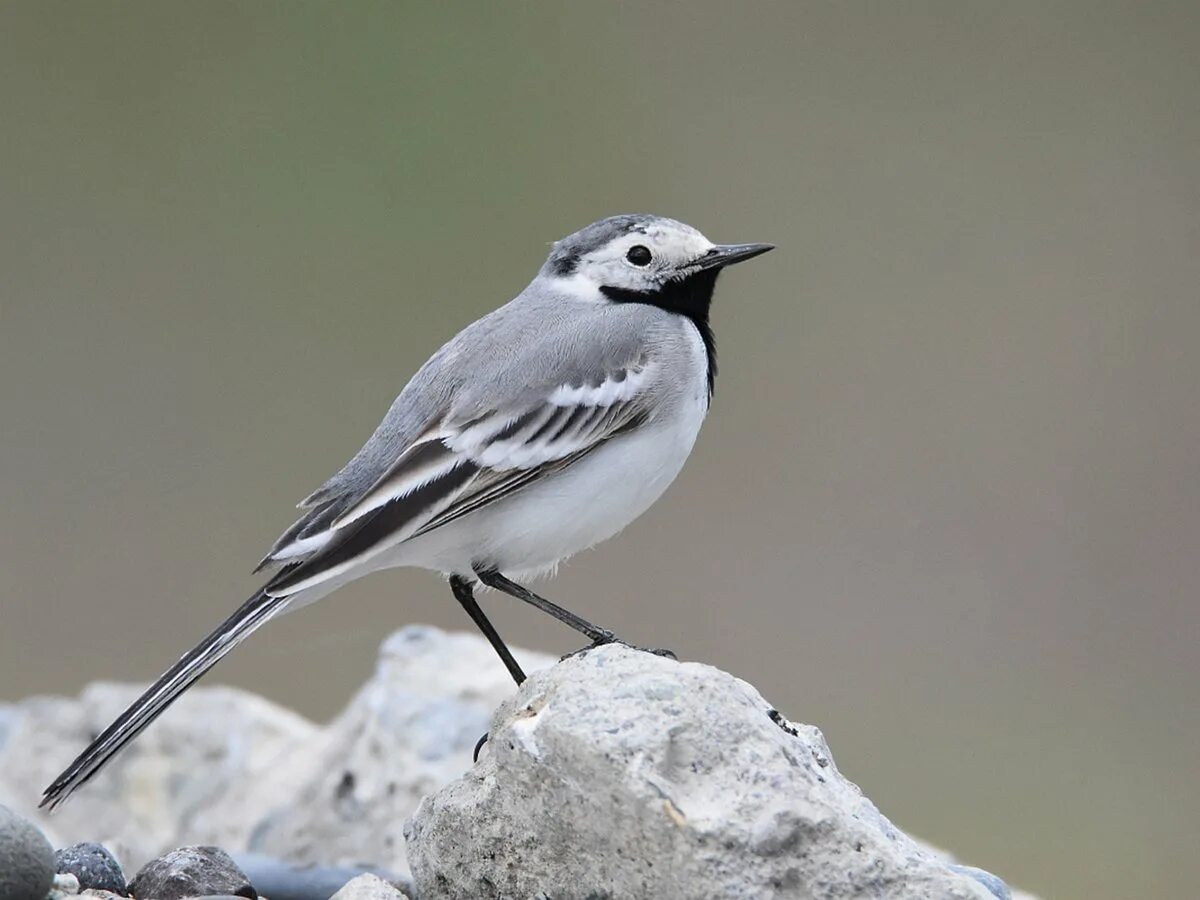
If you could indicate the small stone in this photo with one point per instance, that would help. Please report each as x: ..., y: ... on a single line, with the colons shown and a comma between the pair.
x: 368, y: 887
x: 26, y: 859
x: 93, y: 865
x: 65, y: 883
x: 191, y: 872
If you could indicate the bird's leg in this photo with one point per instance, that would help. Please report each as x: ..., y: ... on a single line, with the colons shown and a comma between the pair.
x: 465, y: 595
x: 494, y: 579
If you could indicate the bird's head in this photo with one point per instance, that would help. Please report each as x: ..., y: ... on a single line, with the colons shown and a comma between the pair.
x: 643, y: 259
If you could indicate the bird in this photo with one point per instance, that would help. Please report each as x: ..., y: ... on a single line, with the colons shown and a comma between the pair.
x: 538, y: 431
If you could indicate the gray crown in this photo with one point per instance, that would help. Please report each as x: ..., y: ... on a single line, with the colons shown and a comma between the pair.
x: 566, y: 253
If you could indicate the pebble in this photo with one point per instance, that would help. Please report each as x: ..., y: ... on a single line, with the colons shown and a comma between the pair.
x: 26, y: 859
x: 65, y: 883
x: 191, y: 872
x: 93, y: 865
x: 369, y: 887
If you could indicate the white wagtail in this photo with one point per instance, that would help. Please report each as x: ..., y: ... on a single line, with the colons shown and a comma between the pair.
x: 538, y: 431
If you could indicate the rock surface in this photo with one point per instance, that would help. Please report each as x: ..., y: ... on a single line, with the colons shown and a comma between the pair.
x: 226, y: 767
x: 210, y: 744
x: 26, y: 859
x: 343, y: 799
x: 369, y: 887
x: 191, y: 872
x: 65, y: 883
x: 616, y: 770
x: 94, y: 866
x: 620, y: 774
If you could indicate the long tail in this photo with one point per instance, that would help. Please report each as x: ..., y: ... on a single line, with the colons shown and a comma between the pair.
x: 249, y: 616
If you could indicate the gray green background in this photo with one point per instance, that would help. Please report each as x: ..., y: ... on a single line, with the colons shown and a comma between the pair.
x: 947, y: 503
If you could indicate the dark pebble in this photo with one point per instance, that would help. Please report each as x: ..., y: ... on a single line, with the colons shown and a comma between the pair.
x: 26, y: 859
x: 191, y: 872
x: 93, y: 865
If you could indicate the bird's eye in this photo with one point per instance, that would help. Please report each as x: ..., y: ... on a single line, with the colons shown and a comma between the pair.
x: 638, y: 255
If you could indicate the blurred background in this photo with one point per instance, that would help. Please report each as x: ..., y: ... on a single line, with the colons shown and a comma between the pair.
x: 947, y: 503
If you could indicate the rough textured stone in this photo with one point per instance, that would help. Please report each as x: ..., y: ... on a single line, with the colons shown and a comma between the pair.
x: 26, y: 859
x: 191, y: 872
x: 343, y: 799
x: 94, y: 866
x: 64, y: 887
x: 65, y: 883
x: 620, y: 774
x: 369, y: 887
x: 210, y: 743
x: 230, y: 769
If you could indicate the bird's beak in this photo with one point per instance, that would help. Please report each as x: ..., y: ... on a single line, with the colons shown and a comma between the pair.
x: 727, y: 254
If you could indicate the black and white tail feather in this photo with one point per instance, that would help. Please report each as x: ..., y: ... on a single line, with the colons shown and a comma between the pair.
x: 248, y: 617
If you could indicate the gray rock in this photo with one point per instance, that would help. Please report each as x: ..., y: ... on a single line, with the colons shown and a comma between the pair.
x: 227, y: 768
x: 369, y: 887
x: 342, y: 799
x: 26, y: 859
x: 620, y: 774
x: 204, y: 748
x: 65, y: 887
x: 64, y: 883
x: 287, y: 881
x: 191, y: 872
x: 93, y: 865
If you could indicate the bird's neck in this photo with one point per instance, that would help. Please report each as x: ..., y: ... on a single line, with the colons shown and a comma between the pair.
x: 689, y: 297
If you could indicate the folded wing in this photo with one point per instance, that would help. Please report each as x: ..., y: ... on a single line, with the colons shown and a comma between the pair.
x: 460, y: 464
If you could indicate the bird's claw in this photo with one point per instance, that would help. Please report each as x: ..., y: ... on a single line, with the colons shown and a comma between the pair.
x: 610, y: 638
x: 478, y: 746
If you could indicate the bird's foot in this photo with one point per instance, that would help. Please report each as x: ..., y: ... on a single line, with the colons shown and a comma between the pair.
x: 603, y: 636
x: 609, y: 638
x: 660, y: 651
x: 478, y: 746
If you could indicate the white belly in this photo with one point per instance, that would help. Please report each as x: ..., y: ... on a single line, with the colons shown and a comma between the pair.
x: 533, y: 530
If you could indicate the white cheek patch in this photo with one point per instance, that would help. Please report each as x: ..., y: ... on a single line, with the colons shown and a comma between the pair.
x: 578, y: 286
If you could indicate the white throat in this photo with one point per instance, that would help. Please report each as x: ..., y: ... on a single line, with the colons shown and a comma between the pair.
x: 577, y: 285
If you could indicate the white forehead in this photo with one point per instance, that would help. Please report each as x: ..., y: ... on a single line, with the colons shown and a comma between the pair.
x: 667, y: 239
